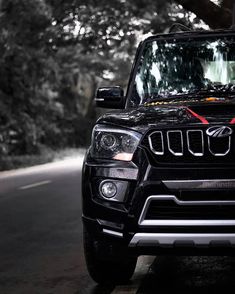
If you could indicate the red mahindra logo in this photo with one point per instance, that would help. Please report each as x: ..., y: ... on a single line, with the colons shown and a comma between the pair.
x: 219, y: 131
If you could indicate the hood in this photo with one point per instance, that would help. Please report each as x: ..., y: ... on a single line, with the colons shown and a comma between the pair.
x: 143, y: 117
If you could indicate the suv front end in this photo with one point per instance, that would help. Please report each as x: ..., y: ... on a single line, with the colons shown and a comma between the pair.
x: 159, y: 176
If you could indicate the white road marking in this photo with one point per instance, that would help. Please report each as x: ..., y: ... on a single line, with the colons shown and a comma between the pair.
x: 142, y: 268
x: 34, y: 185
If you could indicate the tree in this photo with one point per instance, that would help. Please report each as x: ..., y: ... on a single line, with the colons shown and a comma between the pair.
x: 216, y: 16
x: 25, y: 66
x: 54, y: 53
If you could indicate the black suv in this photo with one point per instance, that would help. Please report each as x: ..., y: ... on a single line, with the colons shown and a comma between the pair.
x: 159, y: 176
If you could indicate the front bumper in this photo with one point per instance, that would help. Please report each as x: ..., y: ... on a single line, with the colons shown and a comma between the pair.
x: 180, y: 239
x: 126, y: 222
x: 152, y: 243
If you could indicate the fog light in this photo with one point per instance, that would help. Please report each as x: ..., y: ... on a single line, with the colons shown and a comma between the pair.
x: 108, y: 189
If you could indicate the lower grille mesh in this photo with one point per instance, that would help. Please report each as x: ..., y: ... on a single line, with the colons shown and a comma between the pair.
x: 169, y: 210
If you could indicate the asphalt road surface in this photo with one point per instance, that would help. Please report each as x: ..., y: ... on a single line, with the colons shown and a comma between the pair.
x: 41, y: 243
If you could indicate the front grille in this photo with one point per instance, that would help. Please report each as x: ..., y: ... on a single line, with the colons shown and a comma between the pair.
x: 189, y: 146
x: 207, y: 195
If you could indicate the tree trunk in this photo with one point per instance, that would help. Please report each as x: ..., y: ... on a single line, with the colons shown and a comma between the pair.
x: 215, y: 16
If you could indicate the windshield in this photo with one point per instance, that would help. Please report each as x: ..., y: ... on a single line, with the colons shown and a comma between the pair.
x: 176, y: 68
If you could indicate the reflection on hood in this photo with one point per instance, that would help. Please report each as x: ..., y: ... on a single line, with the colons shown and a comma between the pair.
x: 143, y: 117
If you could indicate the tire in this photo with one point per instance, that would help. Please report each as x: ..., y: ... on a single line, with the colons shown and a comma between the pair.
x: 106, y: 264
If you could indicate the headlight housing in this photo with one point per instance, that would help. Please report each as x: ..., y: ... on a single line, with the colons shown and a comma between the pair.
x: 114, y: 143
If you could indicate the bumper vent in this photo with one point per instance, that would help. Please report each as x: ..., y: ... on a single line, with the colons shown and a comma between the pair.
x: 164, y: 209
x: 168, y: 210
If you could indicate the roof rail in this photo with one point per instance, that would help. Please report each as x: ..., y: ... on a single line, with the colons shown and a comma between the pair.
x: 178, y: 27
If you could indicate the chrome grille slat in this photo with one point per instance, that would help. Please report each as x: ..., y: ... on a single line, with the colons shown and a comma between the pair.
x: 226, y: 151
x: 160, y: 151
x: 189, y: 143
x: 169, y: 140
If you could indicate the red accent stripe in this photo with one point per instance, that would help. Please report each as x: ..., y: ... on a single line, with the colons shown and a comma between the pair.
x: 201, y: 118
x: 232, y: 121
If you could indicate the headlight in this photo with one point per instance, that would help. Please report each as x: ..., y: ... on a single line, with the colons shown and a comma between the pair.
x: 114, y: 143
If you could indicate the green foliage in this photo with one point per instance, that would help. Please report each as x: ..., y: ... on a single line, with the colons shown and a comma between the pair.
x: 54, y: 53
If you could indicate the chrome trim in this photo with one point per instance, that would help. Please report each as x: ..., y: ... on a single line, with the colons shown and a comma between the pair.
x: 219, y: 131
x: 169, y: 144
x: 151, y: 145
x: 188, y: 223
x: 113, y: 233
x: 200, y: 184
x: 143, y: 222
x: 219, y: 154
x: 180, y: 202
x: 188, y: 142
x: 181, y: 238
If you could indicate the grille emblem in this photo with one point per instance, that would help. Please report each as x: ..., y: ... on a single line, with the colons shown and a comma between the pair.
x: 219, y: 131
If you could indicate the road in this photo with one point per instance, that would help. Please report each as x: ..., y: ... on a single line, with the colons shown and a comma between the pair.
x: 41, y: 242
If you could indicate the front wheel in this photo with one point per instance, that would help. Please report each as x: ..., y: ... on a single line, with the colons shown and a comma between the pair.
x: 106, y: 264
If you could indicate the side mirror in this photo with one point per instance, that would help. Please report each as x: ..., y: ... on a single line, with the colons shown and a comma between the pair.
x: 110, y: 97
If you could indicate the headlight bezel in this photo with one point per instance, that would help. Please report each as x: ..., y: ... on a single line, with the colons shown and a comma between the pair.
x: 118, y: 150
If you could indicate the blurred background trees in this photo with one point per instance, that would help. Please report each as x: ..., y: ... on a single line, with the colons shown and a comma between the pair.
x: 55, y: 53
